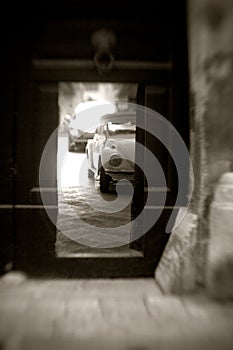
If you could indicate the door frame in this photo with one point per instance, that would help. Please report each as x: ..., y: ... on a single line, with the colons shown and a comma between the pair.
x: 50, y: 73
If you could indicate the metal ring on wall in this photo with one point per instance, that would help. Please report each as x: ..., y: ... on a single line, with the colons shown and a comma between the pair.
x: 103, y: 60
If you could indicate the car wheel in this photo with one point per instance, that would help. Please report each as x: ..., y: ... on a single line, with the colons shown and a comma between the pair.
x: 104, y: 181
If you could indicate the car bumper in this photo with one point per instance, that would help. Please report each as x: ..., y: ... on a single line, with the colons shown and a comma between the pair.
x: 116, y: 176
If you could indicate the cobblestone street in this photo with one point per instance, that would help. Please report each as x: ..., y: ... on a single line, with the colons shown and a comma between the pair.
x: 78, y: 221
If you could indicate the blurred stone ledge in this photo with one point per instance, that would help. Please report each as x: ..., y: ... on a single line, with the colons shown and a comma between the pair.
x: 176, y: 271
x: 219, y: 274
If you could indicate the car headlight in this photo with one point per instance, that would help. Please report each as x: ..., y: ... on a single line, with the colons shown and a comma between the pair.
x: 115, y: 160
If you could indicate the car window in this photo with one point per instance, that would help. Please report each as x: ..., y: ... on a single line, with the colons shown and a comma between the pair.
x: 124, y: 128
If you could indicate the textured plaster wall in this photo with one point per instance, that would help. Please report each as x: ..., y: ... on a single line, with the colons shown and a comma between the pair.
x: 210, y: 25
x: 210, y: 50
x: 211, y: 86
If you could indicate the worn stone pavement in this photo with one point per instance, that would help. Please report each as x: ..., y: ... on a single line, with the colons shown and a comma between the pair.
x: 75, y: 235
x: 111, y: 314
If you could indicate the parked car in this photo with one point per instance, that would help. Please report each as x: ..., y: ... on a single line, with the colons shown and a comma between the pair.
x: 111, y: 152
x: 80, y: 125
x: 77, y: 139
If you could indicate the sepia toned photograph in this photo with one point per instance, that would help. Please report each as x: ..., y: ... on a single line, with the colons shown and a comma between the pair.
x: 116, y: 183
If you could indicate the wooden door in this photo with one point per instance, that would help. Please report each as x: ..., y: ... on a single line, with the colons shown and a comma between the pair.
x: 150, y: 52
x: 160, y: 208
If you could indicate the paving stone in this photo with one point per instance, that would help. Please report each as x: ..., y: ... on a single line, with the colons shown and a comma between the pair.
x: 122, y: 287
x: 120, y: 310
x: 166, y: 309
x: 109, y: 314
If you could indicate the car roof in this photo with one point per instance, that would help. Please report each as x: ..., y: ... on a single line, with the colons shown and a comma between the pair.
x: 119, y: 117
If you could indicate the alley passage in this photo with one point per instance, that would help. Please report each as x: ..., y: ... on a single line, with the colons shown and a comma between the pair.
x: 79, y: 223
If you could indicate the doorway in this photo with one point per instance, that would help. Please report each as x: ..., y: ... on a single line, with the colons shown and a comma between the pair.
x: 150, y: 52
x: 78, y: 192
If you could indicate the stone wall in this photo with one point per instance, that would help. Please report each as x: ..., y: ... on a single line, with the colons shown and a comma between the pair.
x: 210, y: 44
x: 219, y: 272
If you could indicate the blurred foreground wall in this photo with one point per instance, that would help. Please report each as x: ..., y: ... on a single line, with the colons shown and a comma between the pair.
x: 210, y: 50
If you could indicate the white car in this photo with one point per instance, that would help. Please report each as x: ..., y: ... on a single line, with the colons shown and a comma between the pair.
x: 111, y: 152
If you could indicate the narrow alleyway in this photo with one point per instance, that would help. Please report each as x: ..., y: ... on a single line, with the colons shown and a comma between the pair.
x: 173, y: 58
x: 118, y: 314
x: 77, y: 198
